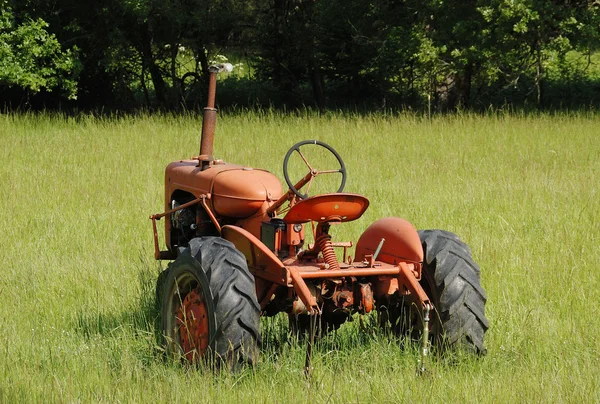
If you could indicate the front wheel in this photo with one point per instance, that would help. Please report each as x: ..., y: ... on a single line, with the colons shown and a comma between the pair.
x: 209, y: 309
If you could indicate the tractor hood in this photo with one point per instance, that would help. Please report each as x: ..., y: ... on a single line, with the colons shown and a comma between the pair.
x: 236, y: 191
x: 240, y: 192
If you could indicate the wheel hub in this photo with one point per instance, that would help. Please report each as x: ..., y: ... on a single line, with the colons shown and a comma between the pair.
x: 192, y: 324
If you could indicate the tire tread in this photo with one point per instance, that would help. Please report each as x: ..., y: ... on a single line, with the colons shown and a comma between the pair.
x: 237, y: 336
x: 460, y: 297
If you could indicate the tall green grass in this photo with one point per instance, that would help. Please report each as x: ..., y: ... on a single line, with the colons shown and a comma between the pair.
x: 77, y: 315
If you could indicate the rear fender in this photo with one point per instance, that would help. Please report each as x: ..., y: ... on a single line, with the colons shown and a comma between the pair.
x: 402, y: 242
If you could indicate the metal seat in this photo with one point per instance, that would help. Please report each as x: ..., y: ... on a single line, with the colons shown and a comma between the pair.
x: 337, y: 208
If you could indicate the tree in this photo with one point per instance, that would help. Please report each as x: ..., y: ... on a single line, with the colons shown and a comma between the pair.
x: 32, y: 59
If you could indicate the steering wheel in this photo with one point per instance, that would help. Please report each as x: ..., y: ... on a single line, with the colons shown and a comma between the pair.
x: 312, y: 171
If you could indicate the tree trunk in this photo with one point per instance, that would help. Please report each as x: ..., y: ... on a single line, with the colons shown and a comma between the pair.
x: 160, y: 87
x: 316, y: 81
x: 539, y: 77
x: 202, y: 59
x: 464, y: 87
x: 144, y: 86
x: 277, y: 66
x: 177, y: 85
x: 460, y: 89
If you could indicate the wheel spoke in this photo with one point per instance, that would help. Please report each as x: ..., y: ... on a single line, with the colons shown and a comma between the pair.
x: 304, y: 159
x: 313, y: 172
x: 329, y: 172
x: 308, y: 185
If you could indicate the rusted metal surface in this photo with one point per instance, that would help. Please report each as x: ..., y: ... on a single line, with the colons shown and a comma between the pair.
x: 185, y: 177
x: 324, y: 242
x: 408, y: 279
x: 303, y: 291
x: 341, y: 295
x: 241, y: 193
x: 261, y: 261
x: 402, y: 242
x: 209, y: 122
x: 269, y: 293
x: 212, y: 87
x: 385, y: 285
x: 314, y: 272
x: 341, y: 207
x: 167, y: 255
x: 299, y: 306
x: 345, y: 245
x: 210, y: 213
x: 289, y: 195
x: 155, y: 235
x: 192, y: 324
x: 159, y: 216
x: 366, y: 298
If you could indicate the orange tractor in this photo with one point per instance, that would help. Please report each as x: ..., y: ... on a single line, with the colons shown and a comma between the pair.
x: 239, y: 251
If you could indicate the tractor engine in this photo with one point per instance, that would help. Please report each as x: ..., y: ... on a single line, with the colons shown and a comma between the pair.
x: 234, y: 194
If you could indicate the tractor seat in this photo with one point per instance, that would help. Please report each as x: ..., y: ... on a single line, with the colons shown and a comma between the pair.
x: 338, y: 207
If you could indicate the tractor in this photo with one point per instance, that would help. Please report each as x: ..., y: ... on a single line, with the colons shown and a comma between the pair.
x: 238, y: 245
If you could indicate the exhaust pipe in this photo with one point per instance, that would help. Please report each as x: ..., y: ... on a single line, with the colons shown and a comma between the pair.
x: 209, y: 117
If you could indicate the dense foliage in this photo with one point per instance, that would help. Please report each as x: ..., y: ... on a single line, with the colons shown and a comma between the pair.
x: 31, y: 58
x: 442, y: 54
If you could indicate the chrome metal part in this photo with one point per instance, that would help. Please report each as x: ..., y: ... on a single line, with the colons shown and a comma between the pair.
x: 425, y: 337
x: 378, y: 249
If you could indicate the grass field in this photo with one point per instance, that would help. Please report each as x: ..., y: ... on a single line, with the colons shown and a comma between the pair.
x: 77, y: 277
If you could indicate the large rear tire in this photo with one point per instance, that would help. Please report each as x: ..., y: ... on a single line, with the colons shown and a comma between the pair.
x: 209, y: 310
x: 452, y: 280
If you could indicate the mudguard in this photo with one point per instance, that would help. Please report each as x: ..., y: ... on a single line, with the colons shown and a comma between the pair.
x: 402, y: 242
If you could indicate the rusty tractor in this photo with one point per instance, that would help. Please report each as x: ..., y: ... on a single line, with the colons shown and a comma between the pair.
x: 237, y: 241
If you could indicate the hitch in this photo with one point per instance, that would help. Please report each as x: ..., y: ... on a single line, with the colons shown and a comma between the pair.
x: 309, y: 347
x: 424, y: 338
x: 408, y: 279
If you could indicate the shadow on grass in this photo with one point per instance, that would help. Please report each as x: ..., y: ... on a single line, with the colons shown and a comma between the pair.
x: 361, y: 333
x: 141, y: 320
x: 140, y: 323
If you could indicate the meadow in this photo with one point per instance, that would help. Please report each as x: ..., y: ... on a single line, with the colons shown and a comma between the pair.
x: 77, y: 311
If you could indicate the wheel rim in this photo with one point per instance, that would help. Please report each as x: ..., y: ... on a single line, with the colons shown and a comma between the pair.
x: 192, y: 323
x: 188, y: 325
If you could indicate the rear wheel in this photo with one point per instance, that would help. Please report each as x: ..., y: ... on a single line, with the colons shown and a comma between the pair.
x: 452, y: 280
x: 209, y: 309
